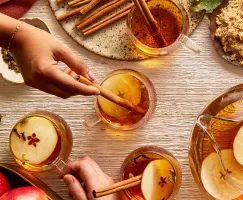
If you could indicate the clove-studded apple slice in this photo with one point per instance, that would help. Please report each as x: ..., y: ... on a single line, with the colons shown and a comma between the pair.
x: 33, y: 140
x: 238, y: 146
x: 125, y: 86
x: 213, y: 177
x: 158, y: 180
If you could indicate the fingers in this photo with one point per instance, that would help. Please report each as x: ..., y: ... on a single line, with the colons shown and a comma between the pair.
x: 65, y: 55
x: 52, y: 89
x: 68, y: 83
x: 75, y: 188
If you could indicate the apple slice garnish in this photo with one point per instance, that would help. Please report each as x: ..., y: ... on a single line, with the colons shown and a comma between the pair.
x: 4, y: 184
x: 213, y: 178
x: 238, y: 146
x: 158, y: 180
x: 33, y: 140
x: 125, y: 86
x: 25, y: 193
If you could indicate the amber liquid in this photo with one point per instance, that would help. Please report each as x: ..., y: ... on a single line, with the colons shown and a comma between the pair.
x: 224, y: 132
x: 168, y: 17
x: 135, y: 168
x: 132, y: 117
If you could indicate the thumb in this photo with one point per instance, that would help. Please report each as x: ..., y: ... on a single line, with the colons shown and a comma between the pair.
x: 75, y: 188
x: 65, y: 55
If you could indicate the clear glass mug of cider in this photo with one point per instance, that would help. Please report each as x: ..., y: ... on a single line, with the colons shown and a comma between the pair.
x: 162, y: 184
x: 216, y: 147
x: 130, y: 85
x: 173, y: 21
x: 41, y: 141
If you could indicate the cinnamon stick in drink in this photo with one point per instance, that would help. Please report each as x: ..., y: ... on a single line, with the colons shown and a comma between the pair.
x: 112, y: 97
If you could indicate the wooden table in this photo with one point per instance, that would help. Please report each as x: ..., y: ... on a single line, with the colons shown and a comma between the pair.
x: 184, y: 83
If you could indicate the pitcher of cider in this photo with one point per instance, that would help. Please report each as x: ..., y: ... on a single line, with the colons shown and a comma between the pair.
x: 216, y: 147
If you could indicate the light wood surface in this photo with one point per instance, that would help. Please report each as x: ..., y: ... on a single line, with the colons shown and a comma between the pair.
x: 184, y: 84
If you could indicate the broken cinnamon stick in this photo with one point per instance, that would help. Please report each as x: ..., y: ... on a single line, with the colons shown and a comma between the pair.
x: 112, y: 97
x: 69, y: 14
x: 107, y: 21
x: 82, y: 19
x: 100, y: 14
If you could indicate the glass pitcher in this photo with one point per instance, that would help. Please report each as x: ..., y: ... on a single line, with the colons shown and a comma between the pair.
x: 215, y: 138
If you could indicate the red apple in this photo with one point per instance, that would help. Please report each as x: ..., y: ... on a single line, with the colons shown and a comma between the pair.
x: 4, y: 184
x: 25, y: 193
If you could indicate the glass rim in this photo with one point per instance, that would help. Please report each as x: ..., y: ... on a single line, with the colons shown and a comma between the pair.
x: 152, y: 99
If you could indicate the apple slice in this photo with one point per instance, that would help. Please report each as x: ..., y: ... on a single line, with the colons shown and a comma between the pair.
x: 214, y: 180
x: 158, y: 180
x: 237, y: 146
x: 4, y: 184
x: 125, y: 86
x: 25, y: 193
x: 33, y: 140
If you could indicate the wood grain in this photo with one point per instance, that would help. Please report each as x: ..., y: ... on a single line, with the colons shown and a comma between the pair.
x: 184, y: 84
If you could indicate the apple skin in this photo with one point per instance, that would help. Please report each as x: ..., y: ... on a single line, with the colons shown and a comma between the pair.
x: 4, y: 184
x: 25, y: 193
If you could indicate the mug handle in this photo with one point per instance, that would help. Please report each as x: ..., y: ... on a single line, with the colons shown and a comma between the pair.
x: 190, y: 45
x: 91, y: 121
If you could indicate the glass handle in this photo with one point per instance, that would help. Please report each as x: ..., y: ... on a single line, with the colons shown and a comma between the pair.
x: 190, y: 45
x: 60, y: 165
x: 90, y: 122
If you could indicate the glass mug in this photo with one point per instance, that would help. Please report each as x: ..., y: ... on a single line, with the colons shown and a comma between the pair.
x: 214, y: 137
x: 131, y: 122
x: 182, y: 39
x: 39, y: 152
x: 135, y: 163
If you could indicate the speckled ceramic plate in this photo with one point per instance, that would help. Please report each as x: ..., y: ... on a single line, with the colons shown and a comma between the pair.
x: 213, y: 27
x: 113, y: 41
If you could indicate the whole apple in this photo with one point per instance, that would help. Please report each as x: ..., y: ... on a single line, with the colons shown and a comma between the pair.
x: 4, y: 184
x: 25, y: 193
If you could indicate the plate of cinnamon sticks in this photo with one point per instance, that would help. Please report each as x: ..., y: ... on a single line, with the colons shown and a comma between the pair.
x: 100, y: 25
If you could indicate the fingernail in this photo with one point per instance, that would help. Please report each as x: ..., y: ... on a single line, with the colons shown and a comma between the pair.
x: 97, y: 93
x: 68, y: 180
x: 91, y: 75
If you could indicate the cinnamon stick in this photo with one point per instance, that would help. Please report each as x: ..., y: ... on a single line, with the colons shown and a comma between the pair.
x: 151, y: 23
x: 112, y: 97
x: 89, y: 7
x: 82, y: 19
x: 81, y: 3
x: 100, y: 14
x: 69, y: 14
x: 107, y: 21
x: 125, y: 184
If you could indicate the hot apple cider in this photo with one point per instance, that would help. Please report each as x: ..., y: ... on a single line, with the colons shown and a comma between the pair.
x: 128, y: 87
x: 161, y: 174
x: 37, y: 140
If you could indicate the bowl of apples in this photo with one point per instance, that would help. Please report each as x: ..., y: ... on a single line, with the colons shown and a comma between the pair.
x: 16, y: 183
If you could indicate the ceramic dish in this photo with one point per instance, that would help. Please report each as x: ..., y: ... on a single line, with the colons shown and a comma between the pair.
x: 216, y: 42
x: 113, y: 41
x: 19, y: 177
x: 10, y: 75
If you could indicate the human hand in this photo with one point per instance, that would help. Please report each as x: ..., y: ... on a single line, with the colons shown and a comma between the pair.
x: 37, y: 53
x: 93, y: 177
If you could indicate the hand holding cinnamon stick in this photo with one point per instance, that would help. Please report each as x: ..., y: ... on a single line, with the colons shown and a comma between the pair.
x: 112, y: 97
